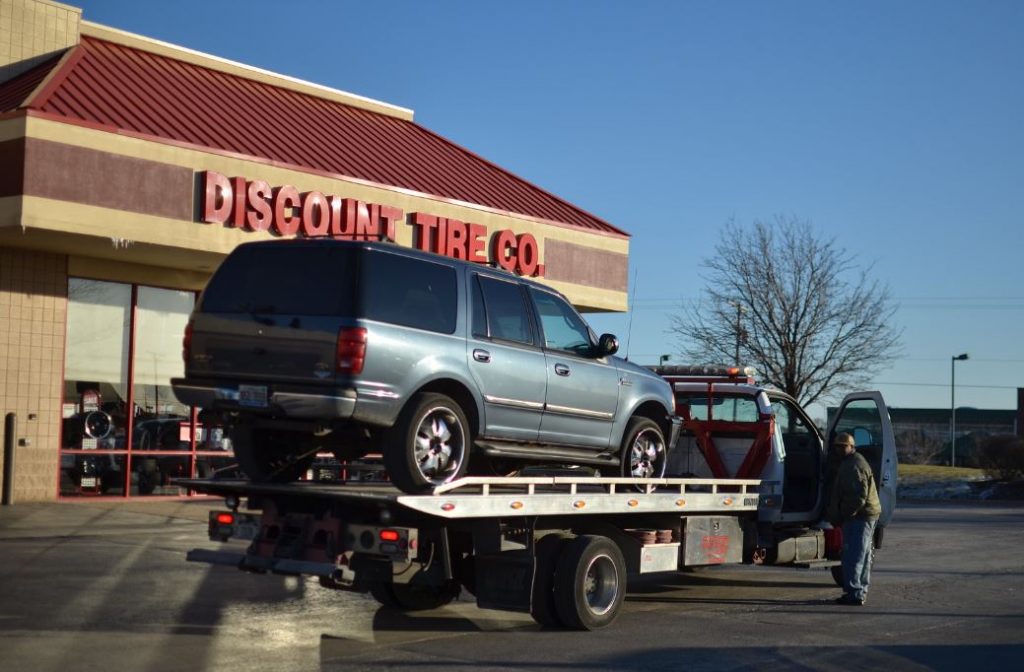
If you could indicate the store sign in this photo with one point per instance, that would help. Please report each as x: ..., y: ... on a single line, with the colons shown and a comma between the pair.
x: 253, y: 205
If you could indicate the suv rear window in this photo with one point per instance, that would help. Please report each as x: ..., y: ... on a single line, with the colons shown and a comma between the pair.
x: 275, y: 280
x: 320, y: 279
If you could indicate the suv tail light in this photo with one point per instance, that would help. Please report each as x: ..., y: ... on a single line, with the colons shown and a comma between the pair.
x: 351, y: 350
x: 186, y: 343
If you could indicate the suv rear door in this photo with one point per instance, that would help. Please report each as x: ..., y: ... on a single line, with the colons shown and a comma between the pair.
x: 505, y: 359
x: 866, y: 417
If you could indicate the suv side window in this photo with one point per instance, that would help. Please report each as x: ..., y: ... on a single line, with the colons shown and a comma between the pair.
x: 562, y: 326
x: 502, y: 305
x: 409, y: 292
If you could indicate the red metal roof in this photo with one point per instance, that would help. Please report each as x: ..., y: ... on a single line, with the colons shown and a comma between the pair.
x: 14, y: 91
x: 128, y: 89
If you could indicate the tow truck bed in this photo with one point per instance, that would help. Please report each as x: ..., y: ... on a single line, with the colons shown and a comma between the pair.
x: 486, y: 497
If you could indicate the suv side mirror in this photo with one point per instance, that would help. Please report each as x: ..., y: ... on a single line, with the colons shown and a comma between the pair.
x: 608, y: 344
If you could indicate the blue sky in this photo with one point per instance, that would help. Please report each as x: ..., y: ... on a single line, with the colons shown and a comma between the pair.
x: 897, y: 128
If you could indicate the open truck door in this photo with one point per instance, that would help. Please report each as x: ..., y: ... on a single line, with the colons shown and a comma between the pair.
x: 866, y: 417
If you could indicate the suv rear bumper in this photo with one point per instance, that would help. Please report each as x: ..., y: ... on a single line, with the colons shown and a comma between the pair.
x: 337, y: 403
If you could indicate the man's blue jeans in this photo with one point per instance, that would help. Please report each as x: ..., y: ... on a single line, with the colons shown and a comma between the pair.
x: 857, y: 548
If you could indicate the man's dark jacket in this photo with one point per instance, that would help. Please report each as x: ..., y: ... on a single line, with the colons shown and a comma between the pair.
x: 854, y: 494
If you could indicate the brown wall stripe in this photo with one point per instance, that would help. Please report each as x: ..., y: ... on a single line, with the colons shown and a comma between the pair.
x: 585, y: 265
x: 12, y: 167
x: 68, y: 173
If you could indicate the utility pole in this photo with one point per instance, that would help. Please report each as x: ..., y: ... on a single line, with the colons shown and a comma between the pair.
x: 952, y: 407
x: 739, y: 332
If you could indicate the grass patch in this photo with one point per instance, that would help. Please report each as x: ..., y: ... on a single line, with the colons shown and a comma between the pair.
x: 930, y: 473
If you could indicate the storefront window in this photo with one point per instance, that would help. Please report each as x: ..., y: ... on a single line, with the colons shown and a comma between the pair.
x: 95, y: 387
x: 161, y: 422
x: 101, y: 454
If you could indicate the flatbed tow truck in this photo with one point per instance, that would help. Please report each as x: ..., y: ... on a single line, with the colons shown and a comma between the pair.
x: 561, y: 546
x: 558, y: 547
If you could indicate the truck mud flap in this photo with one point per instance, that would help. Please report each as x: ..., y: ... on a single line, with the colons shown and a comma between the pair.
x: 504, y: 581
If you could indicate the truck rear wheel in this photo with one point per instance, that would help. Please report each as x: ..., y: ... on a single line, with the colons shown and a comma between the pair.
x: 542, y: 600
x: 429, y: 444
x: 590, y: 583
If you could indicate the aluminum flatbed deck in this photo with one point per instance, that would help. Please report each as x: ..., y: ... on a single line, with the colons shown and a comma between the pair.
x: 489, y: 497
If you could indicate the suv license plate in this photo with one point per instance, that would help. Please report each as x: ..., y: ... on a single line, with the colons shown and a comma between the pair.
x: 254, y: 396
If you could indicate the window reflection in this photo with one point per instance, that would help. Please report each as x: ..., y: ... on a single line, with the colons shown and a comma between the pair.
x: 96, y: 458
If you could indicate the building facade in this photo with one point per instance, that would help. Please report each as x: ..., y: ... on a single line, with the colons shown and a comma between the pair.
x: 129, y: 168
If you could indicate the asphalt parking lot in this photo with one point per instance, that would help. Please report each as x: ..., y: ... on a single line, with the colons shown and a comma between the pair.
x: 99, y: 586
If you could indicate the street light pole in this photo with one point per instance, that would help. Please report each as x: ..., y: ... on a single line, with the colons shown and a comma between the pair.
x: 952, y: 407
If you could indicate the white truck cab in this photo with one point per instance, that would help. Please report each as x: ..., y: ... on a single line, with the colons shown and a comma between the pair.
x: 736, y: 428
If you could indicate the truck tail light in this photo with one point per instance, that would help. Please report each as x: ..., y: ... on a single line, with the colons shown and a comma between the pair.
x: 351, y: 351
x: 186, y: 343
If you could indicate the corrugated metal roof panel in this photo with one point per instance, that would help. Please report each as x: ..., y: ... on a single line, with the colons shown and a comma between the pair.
x: 139, y: 91
x: 14, y: 91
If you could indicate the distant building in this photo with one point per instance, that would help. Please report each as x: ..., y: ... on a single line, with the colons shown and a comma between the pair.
x: 922, y: 434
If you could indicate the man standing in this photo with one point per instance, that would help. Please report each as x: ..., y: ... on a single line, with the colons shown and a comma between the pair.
x: 854, y: 504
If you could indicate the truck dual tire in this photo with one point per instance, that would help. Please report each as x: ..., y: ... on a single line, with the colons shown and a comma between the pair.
x: 589, y: 583
x: 542, y: 601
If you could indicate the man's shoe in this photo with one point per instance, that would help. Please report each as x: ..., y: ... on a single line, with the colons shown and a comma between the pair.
x: 849, y: 600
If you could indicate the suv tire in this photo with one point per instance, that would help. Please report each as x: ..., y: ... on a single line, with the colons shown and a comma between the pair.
x: 270, y: 457
x: 644, y: 453
x: 429, y: 445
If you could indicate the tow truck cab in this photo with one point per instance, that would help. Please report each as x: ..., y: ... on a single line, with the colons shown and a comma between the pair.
x: 736, y: 428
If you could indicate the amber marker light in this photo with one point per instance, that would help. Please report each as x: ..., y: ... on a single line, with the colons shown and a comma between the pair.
x: 579, y: 504
x: 727, y: 501
x: 680, y: 502
x: 633, y: 502
x: 516, y: 505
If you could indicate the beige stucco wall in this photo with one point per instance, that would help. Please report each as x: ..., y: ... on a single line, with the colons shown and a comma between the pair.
x: 33, y: 310
x: 33, y: 30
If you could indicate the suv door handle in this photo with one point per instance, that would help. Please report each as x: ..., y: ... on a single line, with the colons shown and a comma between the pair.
x: 562, y: 369
x: 481, y: 355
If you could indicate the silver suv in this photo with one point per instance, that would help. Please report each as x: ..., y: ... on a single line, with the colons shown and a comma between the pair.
x: 306, y: 346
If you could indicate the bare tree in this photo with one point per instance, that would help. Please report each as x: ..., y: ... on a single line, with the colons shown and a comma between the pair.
x: 795, y: 306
